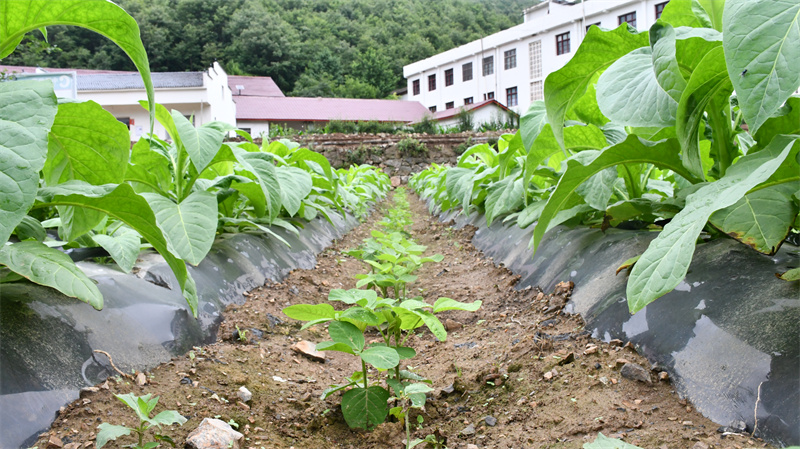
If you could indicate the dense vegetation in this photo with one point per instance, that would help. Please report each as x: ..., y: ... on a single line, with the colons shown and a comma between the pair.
x: 690, y: 128
x: 70, y: 178
x: 353, y: 48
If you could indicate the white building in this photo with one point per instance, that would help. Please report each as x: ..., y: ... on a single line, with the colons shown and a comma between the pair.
x: 510, y: 66
x: 205, y: 95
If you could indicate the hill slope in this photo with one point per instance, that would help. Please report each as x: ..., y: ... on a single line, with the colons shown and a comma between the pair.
x: 348, y: 48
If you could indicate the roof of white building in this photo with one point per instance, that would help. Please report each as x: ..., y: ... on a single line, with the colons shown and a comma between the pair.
x: 254, y: 86
x: 325, y: 109
x: 448, y: 113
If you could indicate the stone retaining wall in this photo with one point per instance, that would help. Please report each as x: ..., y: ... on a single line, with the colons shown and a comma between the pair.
x: 382, y: 150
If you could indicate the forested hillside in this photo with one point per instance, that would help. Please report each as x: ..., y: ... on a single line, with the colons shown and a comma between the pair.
x: 346, y: 48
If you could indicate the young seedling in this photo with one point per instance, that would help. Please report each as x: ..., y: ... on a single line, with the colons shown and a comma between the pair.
x: 142, y: 406
x: 364, y: 405
x: 409, y: 395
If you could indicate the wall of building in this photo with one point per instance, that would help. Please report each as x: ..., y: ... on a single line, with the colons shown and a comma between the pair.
x: 211, y: 102
x: 486, y: 114
x: 256, y: 128
x: 534, y: 42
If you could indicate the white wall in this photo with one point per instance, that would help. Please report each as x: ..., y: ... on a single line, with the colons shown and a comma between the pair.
x: 257, y: 127
x: 542, y: 23
x: 211, y: 102
x: 487, y: 114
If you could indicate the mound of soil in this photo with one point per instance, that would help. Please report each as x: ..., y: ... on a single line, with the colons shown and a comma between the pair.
x: 518, y: 373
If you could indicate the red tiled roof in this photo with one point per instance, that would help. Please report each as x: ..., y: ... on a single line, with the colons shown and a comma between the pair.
x: 447, y: 113
x: 254, y: 86
x: 325, y: 109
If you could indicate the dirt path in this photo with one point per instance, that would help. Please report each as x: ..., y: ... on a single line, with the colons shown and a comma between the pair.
x: 515, y: 374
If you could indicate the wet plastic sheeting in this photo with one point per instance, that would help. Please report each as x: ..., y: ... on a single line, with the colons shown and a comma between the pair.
x: 728, y: 328
x: 46, y: 339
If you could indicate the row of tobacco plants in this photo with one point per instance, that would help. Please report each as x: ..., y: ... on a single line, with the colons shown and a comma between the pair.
x: 383, y: 306
x: 691, y: 125
x: 70, y: 178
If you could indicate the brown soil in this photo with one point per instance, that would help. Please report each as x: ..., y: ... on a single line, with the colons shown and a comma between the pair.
x: 512, y: 361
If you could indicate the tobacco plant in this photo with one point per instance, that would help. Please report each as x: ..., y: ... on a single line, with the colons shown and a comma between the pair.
x: 690, y: 128
x: 142, y: 406
x: 69, y: 166
x: 393, y: 258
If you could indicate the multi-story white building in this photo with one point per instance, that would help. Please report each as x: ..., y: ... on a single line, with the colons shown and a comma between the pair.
x: 510, y: 66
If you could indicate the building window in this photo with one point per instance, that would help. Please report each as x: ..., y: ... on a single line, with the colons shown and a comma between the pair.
x: 488, y: 96
x: 629, y: 18
x: 466, y: 72
x: 597, y: 24
x: 511, y: 97
x: 431, y: 82
x: 448, y: 77
x: 247, y: 130
x: 660, y: 9
x: 415, y: 87
x: 468, y: 100
x: 535, y: 58
x: 562, y: 43
x: 537, y: 93
x: 450, y: 105
x: 488, y: 65
x: 510, y: 59
x: 432, y: 108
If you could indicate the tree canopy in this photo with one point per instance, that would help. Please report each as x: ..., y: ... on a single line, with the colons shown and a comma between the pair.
x: 342, y: 48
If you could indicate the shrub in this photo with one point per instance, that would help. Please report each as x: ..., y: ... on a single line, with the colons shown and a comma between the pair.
x: 411, y: 147
x: 426, y: 126
x: 466, y: 122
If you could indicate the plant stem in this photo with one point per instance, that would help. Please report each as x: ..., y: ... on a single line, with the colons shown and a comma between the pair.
x: 364, y: 368
x: 408, y: 432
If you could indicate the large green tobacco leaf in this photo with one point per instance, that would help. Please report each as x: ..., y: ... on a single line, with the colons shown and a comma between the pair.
x: 122, y: 203
x: 504, y: 197
x: 577, y: 137
x: 785, y: 121
x: 86, y: 143
x: 665, y: 63
x: 189, y: 226
x: 347, y: 334
x: 581, y: 167
x: 711, y: 9
x: 310, y: 160
x: 665, y: 262
x: 263, y: 170
x: 629, y: 94
x: 295, y: 185
x: 107, y: 432
x: 598, y: 189
x: 709, y: 83
x: 460, y: 184
x: 50, y: 267
x: 692, y: 45
x: 683, y: 13
x: 381, y: 357
x: 567, y: 85
x: 365, y: 407
x: 761, y: 219
x: 123, y: 246
x: 19, y: 17
x: 532, y: 122
x: 148, y: 169
x: 27, y: 110
x: 202, y: 143
x: 444, y: 304
x: 762, y: 54
x: 310, y: 312
x: 586, y: 109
